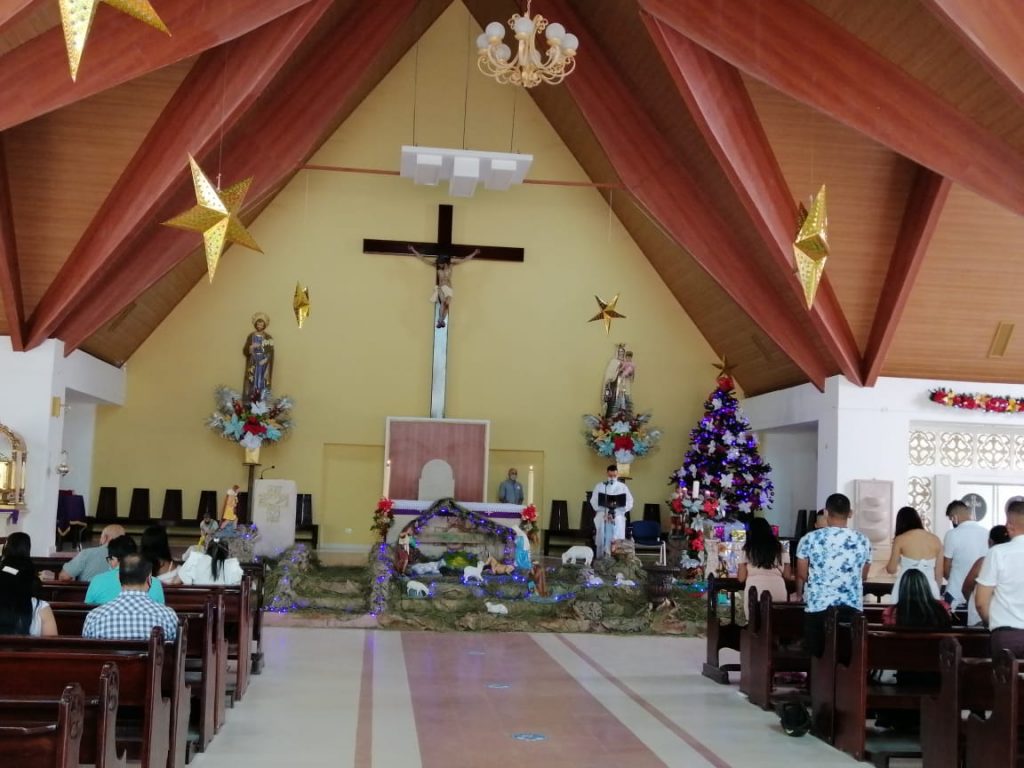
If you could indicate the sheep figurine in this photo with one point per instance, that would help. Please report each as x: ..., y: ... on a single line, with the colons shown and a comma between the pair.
x: 593, y: 580
x: 586, y: 554
x: 423, y: 569
x: 623, y: 582
x: 497, y: 608
x: 473, y: 572
x: 416, y: 589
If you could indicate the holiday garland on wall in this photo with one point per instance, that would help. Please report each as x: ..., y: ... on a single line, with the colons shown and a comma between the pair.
x: 723, y: 457
x: 970, y: 401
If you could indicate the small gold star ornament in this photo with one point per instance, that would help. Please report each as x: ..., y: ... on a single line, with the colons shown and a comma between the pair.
x: 301, y: 304
x: 811, y: 245
x: 216, y: 216
x: 76, y: 18
x: 607, y: 313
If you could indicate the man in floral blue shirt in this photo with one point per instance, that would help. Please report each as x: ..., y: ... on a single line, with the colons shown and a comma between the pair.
x: 833, y: 562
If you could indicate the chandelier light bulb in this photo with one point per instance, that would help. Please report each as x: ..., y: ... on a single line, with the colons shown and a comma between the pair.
x: 527, y: 66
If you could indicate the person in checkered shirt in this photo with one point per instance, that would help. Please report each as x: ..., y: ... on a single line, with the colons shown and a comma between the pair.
x: 133, y: 614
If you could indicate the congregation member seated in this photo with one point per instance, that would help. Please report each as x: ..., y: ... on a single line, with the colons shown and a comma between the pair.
x: 21, y: 610
x: 90, y: 562
x: 212, y: 567
x: 763, y: 563
x: 133, y: 613
x: 157, y: 549
x: 998, y: 535
x: 1000, y: 586
x: 832, y: 562
x: 107, y: 586
x: 914, y: 548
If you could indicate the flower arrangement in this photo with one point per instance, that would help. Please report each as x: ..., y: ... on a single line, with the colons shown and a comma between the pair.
x: 528, y: 521
x: 250, y: 424
x: 977, y: 402
x: 383, y: 518
x: 623, y: 436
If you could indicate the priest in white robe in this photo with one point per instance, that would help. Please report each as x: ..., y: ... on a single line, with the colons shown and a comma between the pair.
x: 610, y: 522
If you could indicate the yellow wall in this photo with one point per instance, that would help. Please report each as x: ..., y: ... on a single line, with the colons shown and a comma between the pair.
x: 521, y: 352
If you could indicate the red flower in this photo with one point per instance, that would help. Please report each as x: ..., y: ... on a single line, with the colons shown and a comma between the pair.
x: 385, y: 505
x: 254, y: 428
x: 677, y: 505
x: 623, y: 443
x: 529, y: 513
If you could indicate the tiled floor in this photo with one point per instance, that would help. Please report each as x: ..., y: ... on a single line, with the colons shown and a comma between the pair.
x: 360, y: 698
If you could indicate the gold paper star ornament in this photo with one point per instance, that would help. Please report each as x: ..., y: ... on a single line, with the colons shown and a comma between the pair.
x: 811, y: 245
x: 301, y: 304
x: 76, y: 18
x: 607, y: 312
x: 216, y: 216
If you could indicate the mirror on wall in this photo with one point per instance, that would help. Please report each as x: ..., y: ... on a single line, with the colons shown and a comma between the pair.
x: 12, y: 469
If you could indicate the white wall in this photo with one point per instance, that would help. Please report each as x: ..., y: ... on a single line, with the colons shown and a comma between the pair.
x: 29, y: 382
x: 792, y: 453
x: 79, y: 432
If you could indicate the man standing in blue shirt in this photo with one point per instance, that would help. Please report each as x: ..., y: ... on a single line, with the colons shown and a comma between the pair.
x: 107, y: 586
x: 511, y: 491
x: 833, y: 562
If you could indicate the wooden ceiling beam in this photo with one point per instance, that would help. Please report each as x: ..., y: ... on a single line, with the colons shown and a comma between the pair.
x: 10, y: 272
x: 781, y: 44
x: 14, y: 10
x: 280, y: 133
x: 217, y: 92
x: 723, y: 111
x: 34, y: 77
x: 924, y: 208
x: 656, y: 177
x: 992, y: 31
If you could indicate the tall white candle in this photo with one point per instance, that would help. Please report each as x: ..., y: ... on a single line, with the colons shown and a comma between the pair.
x: 529, y: 487
x: 696, y: 489
x: 387, y: 479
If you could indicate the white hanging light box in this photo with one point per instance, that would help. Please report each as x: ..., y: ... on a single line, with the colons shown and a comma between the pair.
x: 464, y: 168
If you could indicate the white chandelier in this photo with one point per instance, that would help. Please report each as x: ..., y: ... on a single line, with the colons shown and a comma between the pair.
x: 528, y: 68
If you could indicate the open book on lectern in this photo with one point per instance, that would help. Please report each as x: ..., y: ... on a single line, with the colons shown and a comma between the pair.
x: 611, y: 501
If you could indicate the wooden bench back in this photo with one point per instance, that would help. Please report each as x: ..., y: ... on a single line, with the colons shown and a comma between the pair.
x: 54, y: 745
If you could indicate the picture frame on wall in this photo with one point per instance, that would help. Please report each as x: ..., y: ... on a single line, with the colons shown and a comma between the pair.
x: 872, y: 509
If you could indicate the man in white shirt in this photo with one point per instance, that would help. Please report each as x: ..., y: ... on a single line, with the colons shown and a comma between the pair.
x: 964, y: 544
x: 609, y: 522
x: 1000, y: 587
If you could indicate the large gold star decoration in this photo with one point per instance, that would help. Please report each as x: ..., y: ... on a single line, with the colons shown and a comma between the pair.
x: 725, y: 368
x: 811, y: 245
x: 607, y: 313
x: 216, y: 216
x: 76, y: 17
x: 301, y: 304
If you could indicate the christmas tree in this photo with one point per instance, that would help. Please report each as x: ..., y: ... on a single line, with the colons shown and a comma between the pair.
x: 724, y: 459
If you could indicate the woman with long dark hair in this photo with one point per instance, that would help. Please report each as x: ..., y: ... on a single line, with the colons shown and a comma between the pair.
x: 916, y: 606
x: 914, y: 548
x: 157, y: 550
x: 21, y: 611
x: 211, y: 567
x: 763, y: 563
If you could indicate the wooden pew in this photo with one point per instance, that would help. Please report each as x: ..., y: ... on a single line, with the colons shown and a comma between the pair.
x: 47, y: 746
x: 25, y: 704
x: 205, y: 664
x: 721, y: 636
x: 900, y: 649
x: 46, y: 662
x: 965, y: 683
x: 257, y: 571
x: 996, y: 740
x: 770, y: 644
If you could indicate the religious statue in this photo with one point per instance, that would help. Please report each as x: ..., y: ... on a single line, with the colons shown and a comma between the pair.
x: 617, y: 384
x: 259, y: 359
x: 228, y: 514
x: 442, y: 294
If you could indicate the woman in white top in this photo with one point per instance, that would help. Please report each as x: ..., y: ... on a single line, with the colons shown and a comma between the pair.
x: 915, y: 548
x: 213, y: 567
x: 20, y: 612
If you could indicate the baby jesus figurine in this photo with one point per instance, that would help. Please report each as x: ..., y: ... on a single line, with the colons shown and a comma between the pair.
x: 497, y: 567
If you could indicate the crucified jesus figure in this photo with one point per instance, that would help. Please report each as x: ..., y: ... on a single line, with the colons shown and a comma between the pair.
x: 442, y: 295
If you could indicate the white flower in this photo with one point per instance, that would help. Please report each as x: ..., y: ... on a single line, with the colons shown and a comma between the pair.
x: 727, y: 480
x: 250, y: 442
x: 624, y: 457
x: 728, y: 438
x: 717, y: 403
x: 622, y: 427
x: 258, y: 408
x: 711, y: 447
x: 733, y: 454
x: 748, y: 477
x: 744, y: 506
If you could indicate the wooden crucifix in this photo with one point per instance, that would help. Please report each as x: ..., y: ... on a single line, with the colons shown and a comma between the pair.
x: 442, y: 255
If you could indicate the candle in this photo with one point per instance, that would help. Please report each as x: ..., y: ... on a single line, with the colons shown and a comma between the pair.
x: 387, y: 479
x: 696, y: 489
x: 529, y: 487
